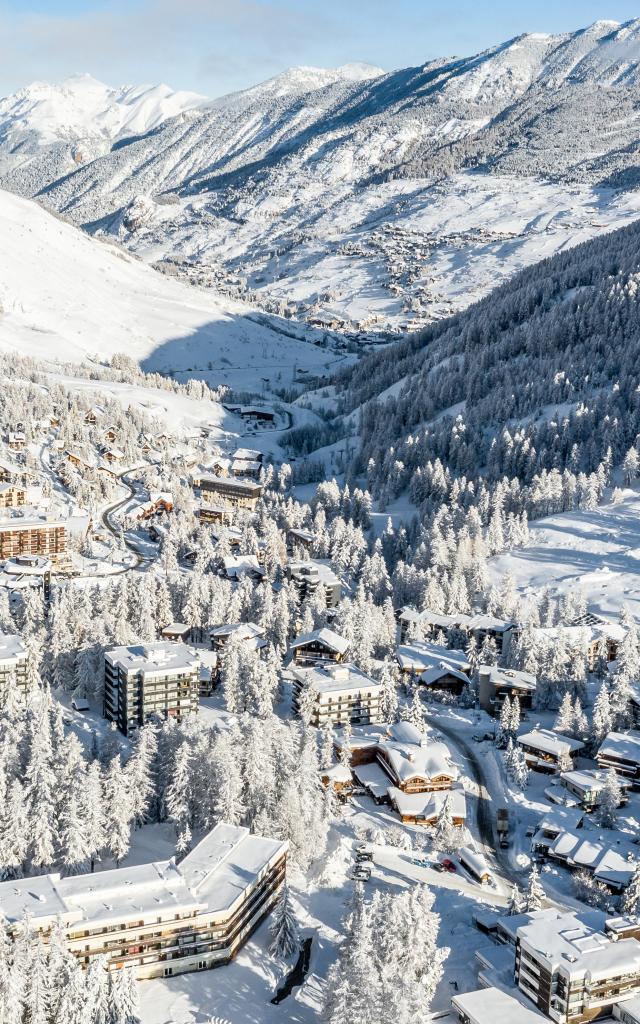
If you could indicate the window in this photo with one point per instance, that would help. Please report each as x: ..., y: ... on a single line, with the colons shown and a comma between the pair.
x: 202, y: 965
x: 167, y: 972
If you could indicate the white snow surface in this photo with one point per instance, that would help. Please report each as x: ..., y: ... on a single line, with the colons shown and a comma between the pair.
x: 67, y: 297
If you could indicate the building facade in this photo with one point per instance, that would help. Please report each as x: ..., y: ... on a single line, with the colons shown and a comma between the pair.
x: 159, y: 919
x: 152, y: 678
x: 230, y: 493
x: 32, y: 537
x: 341, y: 693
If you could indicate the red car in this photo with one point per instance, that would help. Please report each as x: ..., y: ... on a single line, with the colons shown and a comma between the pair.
x: 448, y: 865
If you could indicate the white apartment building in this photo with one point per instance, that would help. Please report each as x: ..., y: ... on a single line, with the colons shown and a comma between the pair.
x: 151, y: 678
x: 159, y: 919
x: 572, y: 972
x: 343, y: 693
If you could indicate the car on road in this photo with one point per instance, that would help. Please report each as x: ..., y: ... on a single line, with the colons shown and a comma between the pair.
x: 361, y: 873
x: 421, y: 862
x: 477, y: 738
x: 448, y: 865
x: 366, y: 855
x: 438, y: 867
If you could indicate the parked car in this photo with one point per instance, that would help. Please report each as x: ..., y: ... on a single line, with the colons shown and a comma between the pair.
x: 421, y: 862
x: 366, y: 855
x: 438, y: 867
x: 80, y: 704
x: 448, y: 865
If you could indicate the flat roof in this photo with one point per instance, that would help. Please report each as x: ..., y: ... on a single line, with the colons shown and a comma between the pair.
x: 423, y: 656
x: 12, y: 648
x: 333, y: 678
x: 493, y: 1006
x: 225, y: 483
x: 20, y: 523
x: 580, y: 950
x: 154, y: 658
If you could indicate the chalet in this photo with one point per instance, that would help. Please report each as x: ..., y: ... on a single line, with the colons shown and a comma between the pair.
x: 320, y: 645
x: 159, y: 919
x: 621, y: 751
x: 257, y: 414
x: 176, y: 632
x: 341, y: 693
x: 496, y: 684
x: 300, y: 540
x: 431, y: 625
x: 214, y: 514
x: 244, y: 565
x: 12, y: 496
x: 109, y: 435
x: 399, y: 765
x: 80, y: 459
x: 230, y: 493
x: 598, y: 638
x: 112, y: 455
x: 312, y: 574
x: 93, y: 415
x: 246, y: 469
x: 610, y: 861
x: 556, y: 821
x: 434, y: 666
x: 248, y: 455
x: 17, y: 440
x: 8, y: 471
x: 247, y: 632
x: 340, y: 778
x: 483, y: 627
x: 548, y: 751
x: 586, y: 786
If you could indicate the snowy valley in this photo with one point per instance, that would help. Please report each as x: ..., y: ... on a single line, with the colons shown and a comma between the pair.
x: 319, y: 505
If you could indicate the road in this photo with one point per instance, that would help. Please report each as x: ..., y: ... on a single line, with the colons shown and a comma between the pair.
x: 142, y: 561
x: 485, y: 806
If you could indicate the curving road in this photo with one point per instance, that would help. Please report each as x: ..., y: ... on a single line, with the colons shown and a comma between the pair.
x: 142, y: 561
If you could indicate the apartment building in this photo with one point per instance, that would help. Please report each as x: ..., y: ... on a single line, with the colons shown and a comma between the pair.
x: 159, y: 919
x: 549, y: 751
x: 12, y: 496
x: 152, y: 678
x: 430, y: 625
x: 230, y: 492
x: 311, y: 574
x: 573, y: 972
x: 342, y: 692
x: 32, y: 537
x: 13, y: 664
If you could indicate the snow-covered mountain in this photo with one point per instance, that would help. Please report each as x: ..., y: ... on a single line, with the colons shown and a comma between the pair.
x: 369, y: 200
x: 67, y: 297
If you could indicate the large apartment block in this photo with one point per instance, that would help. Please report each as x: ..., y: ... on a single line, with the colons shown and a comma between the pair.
x: 159, y: 919
x: 153, y: 678
x: 310, y: 575
x: 230, y: 493
x: 32, y: 537
x: 342, y: 693
x: 573, y: 972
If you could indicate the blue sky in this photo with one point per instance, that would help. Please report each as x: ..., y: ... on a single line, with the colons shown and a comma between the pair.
x: 215, y: 46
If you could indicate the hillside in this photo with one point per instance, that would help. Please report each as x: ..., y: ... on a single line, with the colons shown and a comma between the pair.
x: 372, y: 201
x: 540, y: 376
x: 65, y: 296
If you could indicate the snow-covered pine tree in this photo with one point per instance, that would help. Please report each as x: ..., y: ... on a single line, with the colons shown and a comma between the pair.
x: 285, y: 937
x: 534, y: 896
x: 610, y: 799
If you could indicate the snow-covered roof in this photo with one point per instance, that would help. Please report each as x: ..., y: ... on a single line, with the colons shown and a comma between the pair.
x: 332, y: 678
x: 12, y: 649
x: 474, y: 860
x: 411, y: 754
x: 248, y: 455
x: 432, y: 676
x: 550, y: 742
x: 323, y: 636
x: 337, y: 773
x: 427, y: 806
x: 508, y: 678
x: 631, y: 1010
x: 27, y: 565
x: 572, y: 945
x: 154, y: 658
x: 227, y: 483
x: 237, y: 630
x: 488, y: 622
x: 493, y: 1006
x: 226, y: 863
x: 559, y: 819
x: 212, y: 878
x: 422, y: 656
x: 20, y: 523
x: 245, y: 466
x: 321, y: 571
x: 243, y: 565
x: 305, y: 535
x: 611, y: 861
x: 621, y: 746
x: 590, y: 780
x: 430, y: 618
